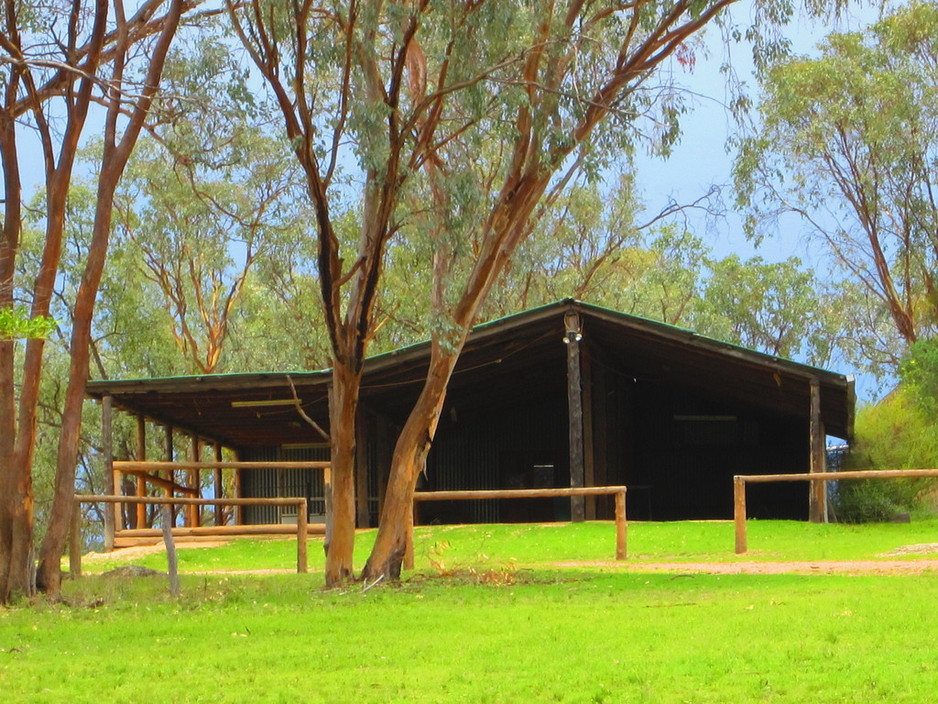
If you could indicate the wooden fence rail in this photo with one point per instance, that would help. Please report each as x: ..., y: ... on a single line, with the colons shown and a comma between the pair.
x: 740, y: 481
x: 74, y: 553
x: 460, y: 495
x: 150, y: 471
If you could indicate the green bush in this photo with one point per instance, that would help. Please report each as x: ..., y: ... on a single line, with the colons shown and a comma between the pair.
x: 875, y: 500
x: 894, y: 434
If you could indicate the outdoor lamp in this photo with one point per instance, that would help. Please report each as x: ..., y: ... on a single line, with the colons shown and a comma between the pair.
x: 572, y: 324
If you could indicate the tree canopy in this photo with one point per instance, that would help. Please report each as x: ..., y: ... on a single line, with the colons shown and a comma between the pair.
x: 848, y: 142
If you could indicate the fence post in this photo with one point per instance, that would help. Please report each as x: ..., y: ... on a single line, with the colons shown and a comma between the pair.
x: 739, y: 513
x: 301, y: 536
x: 74, y: 542
x: 409, y: 538
x: 110, y: 510
x: 621, y: 526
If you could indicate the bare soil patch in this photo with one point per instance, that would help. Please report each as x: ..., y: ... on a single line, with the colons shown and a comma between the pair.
x: 752, y: 567
x: 141, y: 550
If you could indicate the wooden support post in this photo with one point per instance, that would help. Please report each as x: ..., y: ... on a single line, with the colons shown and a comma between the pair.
x: 362, y: 442
x: 302, y: 514
x: 74, y: 542
x: 817, y: 498
x: 383, y: 460
x: 409, y: 539
x: 171, y: 475
x: 107, y: 439
x: 239, y: 510
x: 621, y: 527
x: 327, y: 496
x: 141, y: 456
x: 739, y: 513
x: 589, y: 472
x: 194, y: 481
x: 219, y: 487
x: 572, y: 339
x: 172, y: 564
x: 327, y: 488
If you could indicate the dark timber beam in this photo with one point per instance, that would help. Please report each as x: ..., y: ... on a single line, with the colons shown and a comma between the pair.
x: 219, y: 486
x: 572, y: 338
x: 107, y: 440
x: 365, y: 431
x: 141, y: 456
x: 817, y: 499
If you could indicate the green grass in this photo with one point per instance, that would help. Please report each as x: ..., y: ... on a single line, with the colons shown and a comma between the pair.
x: 471, y: 546
x: 509, y: 627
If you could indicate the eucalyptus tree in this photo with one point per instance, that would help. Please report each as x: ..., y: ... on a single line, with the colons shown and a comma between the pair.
x: 848, y: 142
x: 454, y: 122
x: 57, y: 59
x: 198, y: 231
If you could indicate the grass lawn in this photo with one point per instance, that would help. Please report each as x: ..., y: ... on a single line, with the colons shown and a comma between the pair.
x: 503, y: 624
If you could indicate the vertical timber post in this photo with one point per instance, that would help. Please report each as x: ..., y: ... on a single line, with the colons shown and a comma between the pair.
x: 572, y: 337
x: 739, y: 513
x: 302, y: 535
x: 194, y: 481
x: 409, y: 538
x: 327, y: 481
x: 621, y: 527
x: 219, y: 487
x: 74, y: 542
x: 589, y: 472
x: 110, y: 511
x: 238, y: 510
x: 171, y: 476
x: 141, y: 456
x: 361, y: 471
x: 817, y: 498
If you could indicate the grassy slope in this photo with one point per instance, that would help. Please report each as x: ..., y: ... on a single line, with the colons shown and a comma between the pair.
x: 498, y: 633
x: 535, y: 545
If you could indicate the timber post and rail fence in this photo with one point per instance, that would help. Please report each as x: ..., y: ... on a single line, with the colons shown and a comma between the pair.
x: 469, y: 494
x: 162, y: 474
x: 740, y: 481
x: 302, y: 532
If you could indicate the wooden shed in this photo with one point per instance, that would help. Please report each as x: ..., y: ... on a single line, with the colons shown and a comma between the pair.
x: 567, y: 394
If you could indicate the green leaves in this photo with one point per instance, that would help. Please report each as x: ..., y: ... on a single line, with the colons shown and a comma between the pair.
x: 848, y: 142
x: 16, y: 324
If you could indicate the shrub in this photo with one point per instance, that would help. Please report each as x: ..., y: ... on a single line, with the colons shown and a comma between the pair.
x: 894, y: 434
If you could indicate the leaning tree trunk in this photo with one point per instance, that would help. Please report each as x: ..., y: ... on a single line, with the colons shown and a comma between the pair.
x: 49, y: 574
x: 407, y: 462
x: 340, y: 540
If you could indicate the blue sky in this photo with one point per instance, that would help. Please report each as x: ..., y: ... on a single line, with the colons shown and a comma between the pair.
x: 701, y: 158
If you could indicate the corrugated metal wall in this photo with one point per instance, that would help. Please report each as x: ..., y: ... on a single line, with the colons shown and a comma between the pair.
x: 283, y: 482
x: 521, y: 446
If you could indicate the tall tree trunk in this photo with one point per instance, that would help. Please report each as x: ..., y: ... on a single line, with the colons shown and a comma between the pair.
x: 117, y: 151
x: 407, y: 462
x: 15, y: 520
x: 16, y: 533
x: 343, y: 408
x: 49, y: 574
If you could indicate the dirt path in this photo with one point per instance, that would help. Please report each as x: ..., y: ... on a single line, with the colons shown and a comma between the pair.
x: 881, y: 566
x: 752, y: 567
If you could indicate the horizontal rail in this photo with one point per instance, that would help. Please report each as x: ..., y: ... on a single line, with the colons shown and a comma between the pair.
x: 740, y: 481
x: 139, y: 465
x: 835, y: 476
x: 464, y: 495
x: 302, y: 565
x: 259, y: 501
x: 461, y: 495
